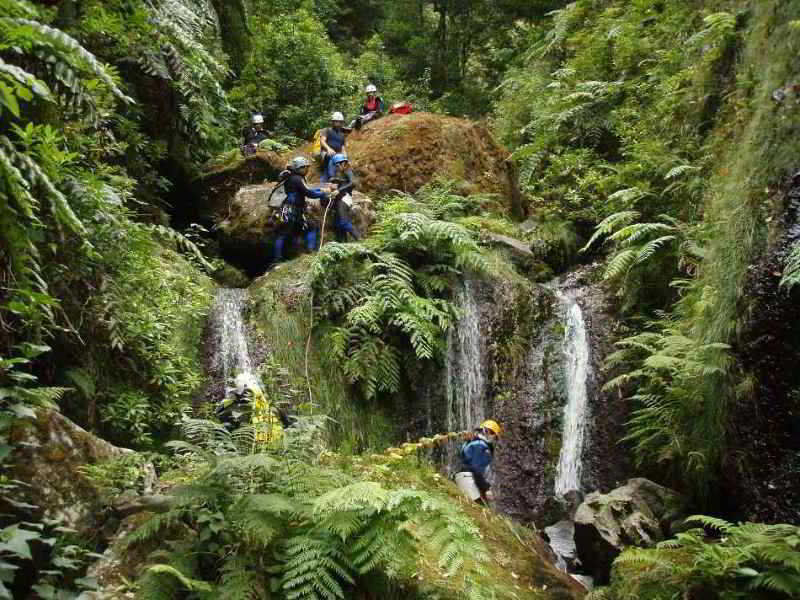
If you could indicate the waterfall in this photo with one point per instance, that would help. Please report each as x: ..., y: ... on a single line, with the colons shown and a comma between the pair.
x: 231, y: 360
x: 576, y: 410
x: 465, y: 373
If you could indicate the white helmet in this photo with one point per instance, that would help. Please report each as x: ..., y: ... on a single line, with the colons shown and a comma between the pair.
x: 371, y: 89
x: 299, y: 162
x: 257, y: 119
x: 337, y: 116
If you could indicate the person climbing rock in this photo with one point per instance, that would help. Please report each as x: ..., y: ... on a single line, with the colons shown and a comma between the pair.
x: 292, y: 216
x: 332, y: 141
x: 246, y: 404
x: 254, y: 134
x: 372, y: 108
x: 346, y: 182
x: 476, y: 456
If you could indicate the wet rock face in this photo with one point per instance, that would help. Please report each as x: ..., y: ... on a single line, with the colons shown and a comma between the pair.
x: 531, y: 399
x: 529, y: 404
x: 637, y: 514
x: 521, y: 325
x: 49, y: 452
x: 762, y: 481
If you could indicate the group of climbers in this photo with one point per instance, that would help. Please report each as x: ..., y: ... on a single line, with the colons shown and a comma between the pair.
x: 334, y: 196
x: 337, y: 178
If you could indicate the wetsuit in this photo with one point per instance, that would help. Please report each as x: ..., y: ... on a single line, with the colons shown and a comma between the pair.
x: 252, y: 138
x: 335, y: 138
x: 293, y: 221
x: 343, y: 225
x: 476, y: 456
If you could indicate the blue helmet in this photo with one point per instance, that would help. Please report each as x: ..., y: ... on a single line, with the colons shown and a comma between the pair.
x: 339, y: 158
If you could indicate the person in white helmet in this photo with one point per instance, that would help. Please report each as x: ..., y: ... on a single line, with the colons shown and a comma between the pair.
x: 254, y: 134
x: 332, y: 141
x: 371, y: 109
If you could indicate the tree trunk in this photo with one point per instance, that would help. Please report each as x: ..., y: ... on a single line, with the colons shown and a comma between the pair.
x: 234, y: 31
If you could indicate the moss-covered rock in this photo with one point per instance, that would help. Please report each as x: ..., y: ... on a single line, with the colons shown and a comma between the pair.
x: 49, y: 453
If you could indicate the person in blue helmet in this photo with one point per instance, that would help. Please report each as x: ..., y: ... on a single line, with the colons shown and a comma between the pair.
x: 476, y: 457
x: 293, y: 220
x: 346, y: 182
x: 333, y: 141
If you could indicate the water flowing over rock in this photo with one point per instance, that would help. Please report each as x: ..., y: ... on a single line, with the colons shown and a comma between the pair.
x: 576, y: 410
x: 465, y: 369
x: 528, y: 356
x: 230, y: 363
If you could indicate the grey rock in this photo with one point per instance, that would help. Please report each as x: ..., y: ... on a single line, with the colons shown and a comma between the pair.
x: 636, y: 514
x: 517, y: 246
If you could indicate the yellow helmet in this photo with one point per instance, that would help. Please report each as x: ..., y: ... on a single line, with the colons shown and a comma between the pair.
x: 492, y: 426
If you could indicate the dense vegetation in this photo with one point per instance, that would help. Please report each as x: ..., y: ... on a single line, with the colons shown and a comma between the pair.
x: 647, y: 135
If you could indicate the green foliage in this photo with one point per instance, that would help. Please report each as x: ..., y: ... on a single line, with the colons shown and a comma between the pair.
x: 388, y: 296
x: 791, y: 269
x: 645, y: 253
x: 290, y: 526
x: 670, y: 372
x: 170, y: 41
x: 613, y: 92
x: 748, y: 560
x: 295, y: 75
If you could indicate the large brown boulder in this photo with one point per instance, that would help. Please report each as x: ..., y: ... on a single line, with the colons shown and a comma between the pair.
x: 50, y: 451
x: 639, y: 513
x: 404, y: 152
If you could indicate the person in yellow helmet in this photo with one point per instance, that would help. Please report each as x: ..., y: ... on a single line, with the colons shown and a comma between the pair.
x: 476, y: 457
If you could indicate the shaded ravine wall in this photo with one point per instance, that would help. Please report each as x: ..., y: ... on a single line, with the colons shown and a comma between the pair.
x: 521, y: 368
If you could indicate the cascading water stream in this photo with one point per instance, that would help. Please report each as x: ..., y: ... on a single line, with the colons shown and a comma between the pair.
x: 231, y: 360
x: 576, y: 410
x: 465, y: 375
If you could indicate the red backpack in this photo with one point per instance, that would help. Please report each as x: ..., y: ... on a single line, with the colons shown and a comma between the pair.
x: 401, y: 108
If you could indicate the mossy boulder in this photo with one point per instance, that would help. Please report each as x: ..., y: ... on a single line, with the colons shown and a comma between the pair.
x: 252, y: 214
x: 405, y: 152
x: 49, y: 453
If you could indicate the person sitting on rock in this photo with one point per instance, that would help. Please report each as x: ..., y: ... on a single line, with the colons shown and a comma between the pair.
x: 346, y: 182
x: 292, y: 216
x: 332, y: 141
x: 254, y: 134
x: 371, y: 109
x: 476, y: 457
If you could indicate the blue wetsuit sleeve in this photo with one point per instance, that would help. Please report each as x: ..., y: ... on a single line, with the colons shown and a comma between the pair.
x: 313, y: 192
x: 478, y: 457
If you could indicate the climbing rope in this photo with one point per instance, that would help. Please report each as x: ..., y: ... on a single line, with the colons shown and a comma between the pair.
x: 311, y: 314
